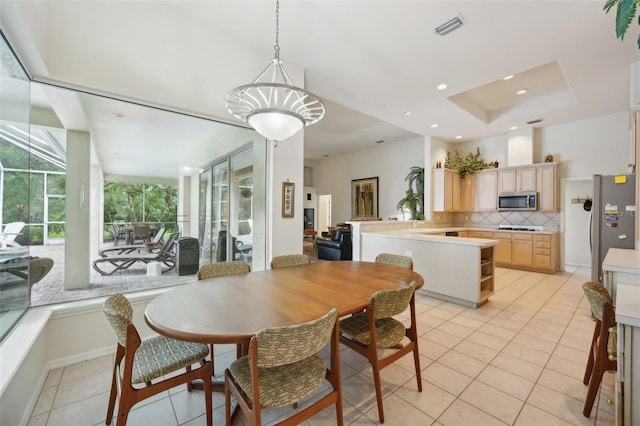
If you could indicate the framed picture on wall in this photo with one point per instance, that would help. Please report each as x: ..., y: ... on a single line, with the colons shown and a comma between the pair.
x: 364, y: 198
x: 288, y: 191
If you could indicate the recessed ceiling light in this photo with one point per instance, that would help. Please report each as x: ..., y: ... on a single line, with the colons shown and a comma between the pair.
x: 442, y: 86
x: 407, y: 113
x: 521, y: 92
x: 119, y: 114
x: 434, y: 125
x: 458, y: 137
x: 513, y: 128
x: 508, y: 77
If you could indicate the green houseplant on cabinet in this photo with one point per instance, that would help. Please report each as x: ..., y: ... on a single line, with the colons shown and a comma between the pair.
x: 469, y: 163
x: 414, y: 196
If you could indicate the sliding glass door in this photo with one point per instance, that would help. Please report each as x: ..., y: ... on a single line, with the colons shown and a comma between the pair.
x: 226, y: 209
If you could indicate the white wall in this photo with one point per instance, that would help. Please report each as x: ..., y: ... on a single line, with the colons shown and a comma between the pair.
x: 576, y: 230
x: 389, y: 162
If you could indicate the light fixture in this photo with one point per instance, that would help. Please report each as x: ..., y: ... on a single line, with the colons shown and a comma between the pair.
x: 272, y: 105
x: 450, y: 25
x: 513, y: 128
x: 508, y: 77
x: 407, y: 113
x: 442, y: 86
x: 521, y: 92
x: 434, y: 125
x: 458, y: 137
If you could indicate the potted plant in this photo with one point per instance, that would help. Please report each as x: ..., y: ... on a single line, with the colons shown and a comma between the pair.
x: 414, y: 196
x: 625, y: 12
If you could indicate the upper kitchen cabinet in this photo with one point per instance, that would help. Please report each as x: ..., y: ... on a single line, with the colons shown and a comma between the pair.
x: 446, y: 191
x: 517, y: 179
x: 486, y: 190
x: 547, y: 187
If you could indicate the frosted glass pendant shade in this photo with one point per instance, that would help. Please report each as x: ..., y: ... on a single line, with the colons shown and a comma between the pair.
x: 275, y: 125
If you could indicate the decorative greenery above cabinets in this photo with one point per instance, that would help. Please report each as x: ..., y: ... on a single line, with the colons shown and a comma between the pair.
x: 469, y: 163
x: 414, y: 199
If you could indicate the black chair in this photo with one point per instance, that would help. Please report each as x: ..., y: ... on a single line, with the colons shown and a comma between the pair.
x: 339, y: 247
x: 238, y: 247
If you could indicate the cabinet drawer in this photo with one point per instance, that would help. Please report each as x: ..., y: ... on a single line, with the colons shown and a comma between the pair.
x: 527, y: 237
x: 544, y: 251
x: 540, y: 261
x: 480, y: 234
x: 539, y: 244
x: 542, y: 238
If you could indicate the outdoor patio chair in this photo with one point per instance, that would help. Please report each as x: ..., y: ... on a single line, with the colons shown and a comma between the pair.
x: 118, y: 234
x: 156, y: 245
x: 124, y: 261
x: 140, y: 233
x: 9, y: 234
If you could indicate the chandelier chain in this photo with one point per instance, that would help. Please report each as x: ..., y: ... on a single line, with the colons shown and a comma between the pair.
x: 277, y: 46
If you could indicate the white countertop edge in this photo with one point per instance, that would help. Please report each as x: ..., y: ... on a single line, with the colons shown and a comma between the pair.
x: 402, y: 234
x: 628, y: 304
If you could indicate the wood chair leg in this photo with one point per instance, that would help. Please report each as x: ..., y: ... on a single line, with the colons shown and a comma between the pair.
x: 112, y: 396
x: 589, y: 369
x: 594, y: 386
x: 378, y: 386
x: 213, y: 368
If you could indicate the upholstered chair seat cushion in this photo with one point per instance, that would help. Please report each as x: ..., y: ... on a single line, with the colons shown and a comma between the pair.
x: 281, y: 385
x: 389, y: 331
x: 162, y: 355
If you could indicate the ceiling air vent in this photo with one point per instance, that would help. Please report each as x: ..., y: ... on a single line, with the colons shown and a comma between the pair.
x: 535, y: 121
x: 449, y: 26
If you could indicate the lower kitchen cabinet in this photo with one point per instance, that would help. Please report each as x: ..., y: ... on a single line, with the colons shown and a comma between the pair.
x: 503, y: 248
x: 522, y: 250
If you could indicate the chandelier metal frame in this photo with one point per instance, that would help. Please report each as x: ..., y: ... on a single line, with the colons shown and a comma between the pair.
x: 274, y: 92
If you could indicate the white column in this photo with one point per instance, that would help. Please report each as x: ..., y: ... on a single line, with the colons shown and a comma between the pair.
x: 77, y: 243
x: 427, y: 178
x: 184, y: 206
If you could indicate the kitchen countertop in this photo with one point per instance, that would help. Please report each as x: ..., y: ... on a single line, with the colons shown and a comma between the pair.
x: 428, y: 234
x: 421, y: 230
x: 622, y: 260
x: 628, y: 304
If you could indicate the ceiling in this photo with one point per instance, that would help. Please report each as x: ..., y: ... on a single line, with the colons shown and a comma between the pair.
x: 375, y: 64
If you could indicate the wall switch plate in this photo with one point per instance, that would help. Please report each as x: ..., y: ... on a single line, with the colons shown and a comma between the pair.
x: 408, y: 253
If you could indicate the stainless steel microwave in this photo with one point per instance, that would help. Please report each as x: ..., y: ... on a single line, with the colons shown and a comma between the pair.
x: 518, y: 201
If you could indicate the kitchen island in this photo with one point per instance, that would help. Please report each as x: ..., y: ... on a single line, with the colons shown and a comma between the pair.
x: 458, y: 270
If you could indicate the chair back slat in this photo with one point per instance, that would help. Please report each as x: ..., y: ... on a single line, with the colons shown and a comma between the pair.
x: 395, y: 259
x: 221, y: 269
x: 387, y: 303
x: 288, y: 260
x: 119, y: 314
x: 597, y: 295
x: 284, y: 345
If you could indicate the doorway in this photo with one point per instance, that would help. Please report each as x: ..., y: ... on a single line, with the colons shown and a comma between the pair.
x: 324, y: 213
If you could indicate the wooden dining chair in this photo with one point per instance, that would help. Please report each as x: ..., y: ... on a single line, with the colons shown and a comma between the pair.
x: 288, y: 260
x: 395, y: 259
x: 283, y: 367
x: 221, y: 269
x: 373, y: 329
x: 602, y: 351
x: 146, y: 362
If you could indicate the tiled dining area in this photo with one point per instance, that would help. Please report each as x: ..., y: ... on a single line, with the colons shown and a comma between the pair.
x: 517, y: 360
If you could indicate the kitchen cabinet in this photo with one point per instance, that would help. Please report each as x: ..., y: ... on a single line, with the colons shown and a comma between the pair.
x: 503, y: 248
x: 547, y: 187
x: 522, y: 250
x: 517, y: 179
x: 468, y: 192
x: 480, y: 234
x: 486, y: 190
x: 542, y: 257
x: 446, y: 190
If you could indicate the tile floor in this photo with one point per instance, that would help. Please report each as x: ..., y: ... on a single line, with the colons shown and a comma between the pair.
x: 517, y: 360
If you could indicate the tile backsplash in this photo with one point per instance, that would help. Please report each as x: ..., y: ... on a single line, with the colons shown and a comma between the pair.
x: 550, y: 221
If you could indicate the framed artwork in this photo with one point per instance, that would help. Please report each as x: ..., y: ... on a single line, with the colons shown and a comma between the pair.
x: 288, y: 191
x: 364, y: 198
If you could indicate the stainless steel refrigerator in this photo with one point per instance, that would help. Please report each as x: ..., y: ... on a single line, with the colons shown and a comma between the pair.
x: 612, y: 217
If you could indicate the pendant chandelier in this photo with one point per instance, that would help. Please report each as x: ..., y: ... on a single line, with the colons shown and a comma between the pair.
x: 272, y: 105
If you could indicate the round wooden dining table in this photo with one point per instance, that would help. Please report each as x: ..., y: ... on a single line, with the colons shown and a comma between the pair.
x: 232, y: 309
